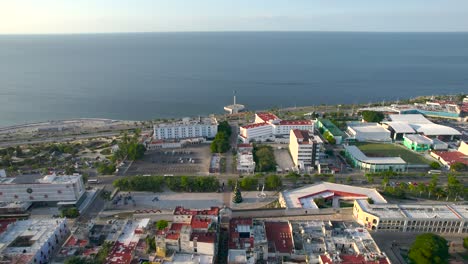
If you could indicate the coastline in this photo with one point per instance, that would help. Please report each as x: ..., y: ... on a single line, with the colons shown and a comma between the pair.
x: 87, y: 121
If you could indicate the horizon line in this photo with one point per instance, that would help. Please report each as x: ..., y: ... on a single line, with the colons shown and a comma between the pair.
x: 228, y: 31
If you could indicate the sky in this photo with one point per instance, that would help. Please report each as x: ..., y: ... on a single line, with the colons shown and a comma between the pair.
x: 95, y: 16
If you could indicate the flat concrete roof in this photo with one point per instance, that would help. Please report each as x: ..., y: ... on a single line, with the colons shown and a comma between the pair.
x: 422, y: 125
x: 359, y: 155
x: 418, y: 139
x: 416, y: 211
x: 370, y: 131
x: 303, y: 197
x: 400, y: 127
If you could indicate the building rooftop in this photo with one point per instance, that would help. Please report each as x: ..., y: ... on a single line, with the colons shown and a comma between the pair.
x: 295, y: 122
x: 304, y: 197
x: 422, y: 125
x: 265, y: 116
x: 359, y: 155
x: 419, y: 139
x: 189, y: 259
x: 33, y: 234
x: 237, y: 256
x: 331, y: 127
x: 280, y: 235
x: 122, y: 251
x: 240, y: 235
x: 369, y: 131
x: 204, y: 237
x: 189, y: 121
x: 451, y: 157
x: 255, y: 125
x: 39, y: 179
x: 401, y: 127
x: 415, y: 211
x: 337, y: 242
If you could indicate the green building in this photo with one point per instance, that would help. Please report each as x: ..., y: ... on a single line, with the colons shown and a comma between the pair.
x: 329, y: 127
x: 417, y: 142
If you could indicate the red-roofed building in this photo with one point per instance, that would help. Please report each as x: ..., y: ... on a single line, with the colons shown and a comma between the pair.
x: 279, y: 236
x: 240, y: 236
x: 449, y: 157
x: 121, y: 253
x: 267, y: 126
x: 190, y: 232
x: 200, y: 224
x: 4, y: 224
x: 265, y: 117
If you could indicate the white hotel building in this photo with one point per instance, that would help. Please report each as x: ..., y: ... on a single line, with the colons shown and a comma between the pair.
x: 304, y: 148
x: 187, y: 128
x: 36, y: 188
x: 268, y: 126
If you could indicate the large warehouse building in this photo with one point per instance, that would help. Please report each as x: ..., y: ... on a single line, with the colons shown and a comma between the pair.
x: 37, y: 188
x: 361, y: 131
x: 402, y: 124
x: 374, y: 164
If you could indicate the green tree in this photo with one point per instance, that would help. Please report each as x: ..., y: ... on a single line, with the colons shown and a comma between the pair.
x: 435, y: 165
x: 372, y: 116
x: 465, y: 243
x: 429, y: 248
x: 433, y: 185
x: 19, y: 151
x: 105, y: 169
x: 454, y: 186
x: 220, y: 143
x: 458, y: 166
x: 69, y: 170
x: 103, y: 252
x: 162, y: 224
x: 385, y: 181
x: 224, y: 127
x: 237, y: 195
x: 273, y: 182
x: 264, y: 158
x: 150, y: 244
x: 248, y: 183
x: 293, y: 177
x: 136, y: 151
x: 70, y: 212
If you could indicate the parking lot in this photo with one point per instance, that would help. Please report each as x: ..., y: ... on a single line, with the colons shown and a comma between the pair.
x: 193, y: 160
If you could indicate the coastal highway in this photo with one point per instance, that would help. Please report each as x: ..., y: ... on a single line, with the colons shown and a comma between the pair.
x: 57, y: 139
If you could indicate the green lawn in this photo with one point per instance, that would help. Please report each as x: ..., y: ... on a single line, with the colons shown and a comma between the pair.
x: 391, y: 150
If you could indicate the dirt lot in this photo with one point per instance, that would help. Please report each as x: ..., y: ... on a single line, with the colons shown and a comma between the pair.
x: 283, y: 159
x: 193, y: 160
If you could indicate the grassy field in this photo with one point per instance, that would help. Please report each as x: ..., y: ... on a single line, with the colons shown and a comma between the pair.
x: 391, y: 150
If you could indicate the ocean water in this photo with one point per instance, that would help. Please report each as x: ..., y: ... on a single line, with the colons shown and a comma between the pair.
x: 156, y: 75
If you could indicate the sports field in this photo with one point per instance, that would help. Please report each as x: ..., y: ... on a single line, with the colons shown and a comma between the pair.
x: 391, y: 150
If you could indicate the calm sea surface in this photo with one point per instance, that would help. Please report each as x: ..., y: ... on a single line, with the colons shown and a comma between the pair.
x: 156, y: 75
